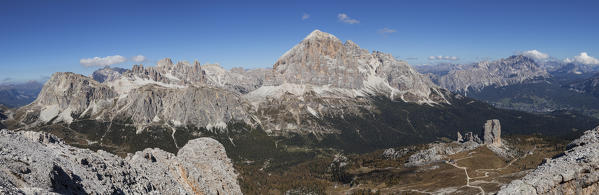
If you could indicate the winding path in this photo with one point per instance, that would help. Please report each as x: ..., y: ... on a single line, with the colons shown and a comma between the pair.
x: 454, y: 163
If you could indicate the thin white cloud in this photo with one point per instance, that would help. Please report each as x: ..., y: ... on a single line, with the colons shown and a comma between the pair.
x: 535, y: 54
x: 453, y: 58
x: 583, y: 58
x: 138, y: 58
x: 346, y: 19
x: 386, y: 31
x: 105, y: 61
x: 305, y: 16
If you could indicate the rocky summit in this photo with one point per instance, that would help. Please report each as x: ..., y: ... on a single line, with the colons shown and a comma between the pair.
x: 40, y: 163
x: 321, y: 59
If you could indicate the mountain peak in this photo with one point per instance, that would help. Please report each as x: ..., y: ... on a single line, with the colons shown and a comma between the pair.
x: 165, y: 62
x: 520, y: 58
x: 317, y: 35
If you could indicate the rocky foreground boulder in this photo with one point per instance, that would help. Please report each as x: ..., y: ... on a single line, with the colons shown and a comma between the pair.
x: 575, y: 172
x: 40, y: 163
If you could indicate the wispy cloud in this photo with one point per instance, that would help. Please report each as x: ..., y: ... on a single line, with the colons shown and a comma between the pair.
x: 346, y: 19
x: 138, y: 58
x: 411, y: 58
x: 583, y: 58
x: 305, y: 16
x: 453, y: 58
x: 102, y: 61
x: 535, y: 54
x: 386, y: 31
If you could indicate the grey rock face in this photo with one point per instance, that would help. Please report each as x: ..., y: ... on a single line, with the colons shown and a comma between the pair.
x: 575, y: 172
x: 67, y: 95
x: 34, y: 162
x: 399, y: 75
x: 236, y: 79
x: 183, y: 73
x: 301, y: 112
x: 198, y: 106
x: 492, y: 133
x: 321, y: 59
x: 108, y: 74
x: 472, y: 137
x: 514, y: 69
x: 166, y: 71
x: 460, y: 138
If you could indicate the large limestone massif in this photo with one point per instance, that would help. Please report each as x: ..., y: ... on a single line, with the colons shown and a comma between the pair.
x: 321, y: 59
x: 321, y: 76
x: 40, y: 163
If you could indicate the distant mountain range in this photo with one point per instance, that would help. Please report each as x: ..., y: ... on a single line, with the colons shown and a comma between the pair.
x: 322, y: 92
x: 514, y: 69
x: 19, y: 94
x: 521, y: 83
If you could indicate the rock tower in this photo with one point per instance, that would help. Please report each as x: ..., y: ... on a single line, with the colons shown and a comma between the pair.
x: 492, y: 133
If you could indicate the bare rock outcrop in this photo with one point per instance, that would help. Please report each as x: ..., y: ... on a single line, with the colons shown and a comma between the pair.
x: 492, y: 133
x: 40, y: 163
x: 393, y: 154
x: 574, y: 172
x: 437, y: 152
x: 472, y: 137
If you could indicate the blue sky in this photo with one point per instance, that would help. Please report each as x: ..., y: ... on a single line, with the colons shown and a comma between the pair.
x: 38, y: 38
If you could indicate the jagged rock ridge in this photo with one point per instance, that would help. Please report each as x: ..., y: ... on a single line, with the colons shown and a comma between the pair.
x: 40, y: 163
x: 69, y: 96
x: 514, y: 69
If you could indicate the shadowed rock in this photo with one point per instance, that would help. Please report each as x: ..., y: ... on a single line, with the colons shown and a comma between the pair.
x: 40, y: 163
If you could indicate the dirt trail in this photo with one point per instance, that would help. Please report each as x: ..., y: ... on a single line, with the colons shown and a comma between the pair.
x: 454, y: 163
